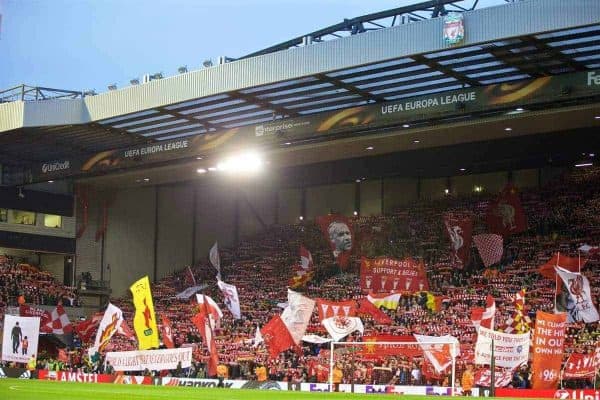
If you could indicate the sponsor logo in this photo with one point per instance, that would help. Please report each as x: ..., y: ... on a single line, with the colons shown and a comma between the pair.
x: 77, y: 377
x: 577, y: 394
x: 593, y: 79
x: 55, y: 166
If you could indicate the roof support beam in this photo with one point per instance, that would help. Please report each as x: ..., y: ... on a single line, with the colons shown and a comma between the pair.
x: 447, y: 71
x: 350, y: 88
x: 251, y: 99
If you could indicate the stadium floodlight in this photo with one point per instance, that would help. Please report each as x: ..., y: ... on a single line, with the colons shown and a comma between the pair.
x: 158, y: 75
x: 135, y: 81
x: 112, y: 86
x: 207, y: 63
x: 90, y: 92
x: 245, y: 163
x: 183, y: 69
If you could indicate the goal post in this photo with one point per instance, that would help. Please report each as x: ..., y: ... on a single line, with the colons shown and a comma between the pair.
x: 406, y: 350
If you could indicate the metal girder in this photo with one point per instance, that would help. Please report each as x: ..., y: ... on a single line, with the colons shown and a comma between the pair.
x: 350, y: 88
x: 433, y: 64
x: 558, y: 55
x: 250, y: 98
x: 209, y: 126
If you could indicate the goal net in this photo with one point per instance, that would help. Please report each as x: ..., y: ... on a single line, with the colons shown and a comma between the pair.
x: 398, y: 364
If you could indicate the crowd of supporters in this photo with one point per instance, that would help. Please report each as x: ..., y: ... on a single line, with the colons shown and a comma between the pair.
x: 562, y: 216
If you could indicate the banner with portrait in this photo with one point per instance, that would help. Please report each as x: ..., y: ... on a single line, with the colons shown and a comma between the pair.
x: 384, y: 274
x: 338, y: 232
x: 20, y: 338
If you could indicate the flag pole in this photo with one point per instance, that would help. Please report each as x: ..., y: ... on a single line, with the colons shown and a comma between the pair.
x: 493, y: 372
x: 331, y: 368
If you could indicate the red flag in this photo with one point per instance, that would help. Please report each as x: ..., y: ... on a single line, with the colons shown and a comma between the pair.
x: 167, y: 332
x: 571, y: 264
x: 490, y: 246
x: 366, y: 307
x: 87, y: 328
x: 582, y: 365
x: 277, y: 337
x: 62, y: 355
x: 548, y: 346
x: 459, y: 229
x: 337, y: 229
x: 45, y: 318
x: 505, y: 216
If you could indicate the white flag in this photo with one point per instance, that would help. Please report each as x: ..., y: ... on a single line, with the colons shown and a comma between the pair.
x: 510, y: 350
x: 230, y: 298
x: 213, y: 308
x: 297, y: 314
x: 109, y: 325
x: 439, y: 354
x: 258, y: 339
x: 340, y: 327
x: 579, y: 305
x: 315, y: 339
x: 214, y: 258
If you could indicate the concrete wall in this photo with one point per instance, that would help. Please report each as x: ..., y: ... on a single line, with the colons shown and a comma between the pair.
x: 226, y: 211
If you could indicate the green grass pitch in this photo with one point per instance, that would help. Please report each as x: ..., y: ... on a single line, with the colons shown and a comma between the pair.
x: 18, y: 389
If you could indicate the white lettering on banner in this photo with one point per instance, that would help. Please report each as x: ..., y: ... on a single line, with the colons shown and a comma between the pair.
x: 274, y: 128
x: 55, y: 166
x: 156, y: 148
x: 78, y: 377
x: 151, y: 359
x: 593, y: 79
x: 429, y: 102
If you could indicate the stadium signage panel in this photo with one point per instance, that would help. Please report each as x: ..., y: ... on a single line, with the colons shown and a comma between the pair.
x: 64, y: 376
x: 573, y: 394
x: 230, y: 384
x: 362, y: 118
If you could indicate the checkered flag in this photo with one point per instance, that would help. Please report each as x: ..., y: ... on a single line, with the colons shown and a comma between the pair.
x: 490, y: 247
x: 59, y: 323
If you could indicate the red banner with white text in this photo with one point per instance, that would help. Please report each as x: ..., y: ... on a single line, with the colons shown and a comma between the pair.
x: 384, y: 274
x: 64, y: 376
x: 548, y: 345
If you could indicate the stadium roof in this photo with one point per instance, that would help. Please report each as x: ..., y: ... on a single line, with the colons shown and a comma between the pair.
x: 516, y: 41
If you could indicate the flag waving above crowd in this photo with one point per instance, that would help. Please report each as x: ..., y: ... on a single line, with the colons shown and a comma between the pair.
x: 338, y: 232
x: 459, y: 228
x: 505, y: 216
x: 144, y: 321
x: 230, y: 298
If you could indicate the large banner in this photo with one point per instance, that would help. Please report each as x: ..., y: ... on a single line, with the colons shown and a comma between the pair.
x: 510, y: 350
x: 384, y: 274
x: 548, y: 345
x: 337, y: 230
x: 20, y: 338
x: 505, y: 216
x: 150, y: 359
x: 459, y: 229
x: 144, y: 321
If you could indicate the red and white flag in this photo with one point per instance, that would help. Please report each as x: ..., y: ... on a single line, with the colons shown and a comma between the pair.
x: 276, y: 336
x: 306, y: 261
x: 505, y: 216
x: 459, y: 229
x: 59, y: 323
x: 484, y: 316
x: 587, y: 249
x: 230, y: 298
x: 213, y: 308
x: 503, y: 377
x: 297, y: 314
x: 518, y: 322
x: 340, y: 327
x: 490, y: 247
x: 204, y: 322
x: 328, y: 309
x: 439, y: 354
x: 167, y: 332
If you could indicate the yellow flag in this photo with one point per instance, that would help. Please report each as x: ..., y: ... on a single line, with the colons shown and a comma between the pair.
x: 144, y: 321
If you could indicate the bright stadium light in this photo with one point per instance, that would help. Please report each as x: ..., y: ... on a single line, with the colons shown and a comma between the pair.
x: 245, y: 163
